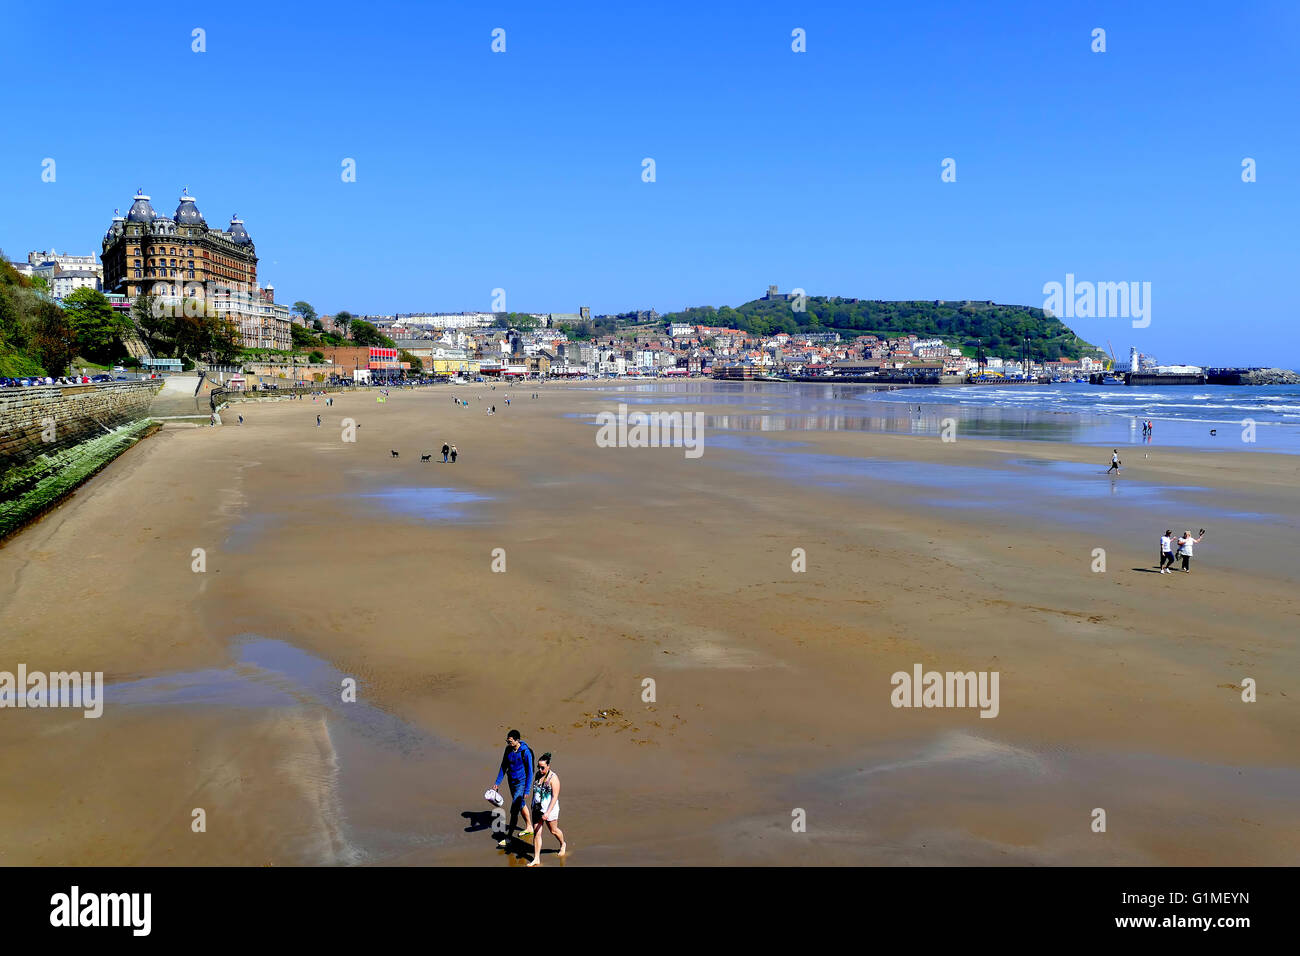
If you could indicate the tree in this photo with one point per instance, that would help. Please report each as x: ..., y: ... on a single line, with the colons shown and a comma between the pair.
x: 363, y: 333
x: 315, y: 358
x: 417, y: 366
x: 24, y: 314
x: 224, y: 339
x: 154, y: 324
x: 98, y: 329
x: 52, y: 337
x: 343, y: 320
x: 301, y: 337
x: 305, y: 310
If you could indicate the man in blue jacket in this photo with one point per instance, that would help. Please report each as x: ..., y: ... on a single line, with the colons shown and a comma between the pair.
x: 517, y: 764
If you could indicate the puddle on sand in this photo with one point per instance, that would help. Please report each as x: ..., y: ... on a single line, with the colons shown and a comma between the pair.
x: 375, y: 759
x: 1029, y: 486
x: 431, y: 504
x: 426, y: 503
x: 270, y: 674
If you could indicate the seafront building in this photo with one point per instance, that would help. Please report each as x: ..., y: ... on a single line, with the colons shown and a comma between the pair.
x: 177, y: 258
x: 73, y: 272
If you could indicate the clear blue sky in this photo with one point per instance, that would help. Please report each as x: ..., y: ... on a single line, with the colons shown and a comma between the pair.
x: 819, y: 170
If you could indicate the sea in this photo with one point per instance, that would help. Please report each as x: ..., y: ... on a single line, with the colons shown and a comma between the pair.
x: 1213, y: 417
x: 1210, y: 416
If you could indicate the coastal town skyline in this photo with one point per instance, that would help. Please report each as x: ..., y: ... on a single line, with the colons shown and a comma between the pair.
x: 757, y: 183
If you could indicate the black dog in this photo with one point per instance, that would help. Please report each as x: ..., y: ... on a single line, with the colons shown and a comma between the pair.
x: 425, y: 457
x: 394, y: 453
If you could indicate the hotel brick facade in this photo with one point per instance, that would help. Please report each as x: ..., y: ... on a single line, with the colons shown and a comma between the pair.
x: 182, y: 259
x: 143, y: 249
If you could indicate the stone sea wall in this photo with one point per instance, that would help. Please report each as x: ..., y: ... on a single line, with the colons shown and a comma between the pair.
x: 46, y: 419
x: 54, y: 437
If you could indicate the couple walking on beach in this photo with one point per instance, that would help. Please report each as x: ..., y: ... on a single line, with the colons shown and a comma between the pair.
x: 1185, y: 545
x: 534, y: 791
x: 449, y: 450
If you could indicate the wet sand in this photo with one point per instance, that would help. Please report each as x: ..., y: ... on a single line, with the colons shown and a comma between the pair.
x: 328, y: 559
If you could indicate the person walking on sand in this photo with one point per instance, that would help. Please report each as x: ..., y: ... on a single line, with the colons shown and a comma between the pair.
x: 1185, y: 544
x: 1167, y: 552
x: 318, y: 421
x: 1114, y: 462
x: 546, y: 807
x: 453, y: 454
x: 445, y: 449
x: 517, y: 764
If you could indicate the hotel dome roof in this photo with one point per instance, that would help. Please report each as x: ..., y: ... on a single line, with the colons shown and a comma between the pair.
x: 140, y: 210
x: 237, y: 232
x: 187, y: 213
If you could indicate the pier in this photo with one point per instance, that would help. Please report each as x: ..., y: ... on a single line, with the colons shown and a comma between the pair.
x: 1156, y: 378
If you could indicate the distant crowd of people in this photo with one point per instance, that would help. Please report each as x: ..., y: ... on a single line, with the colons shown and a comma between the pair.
x: 31, y: 380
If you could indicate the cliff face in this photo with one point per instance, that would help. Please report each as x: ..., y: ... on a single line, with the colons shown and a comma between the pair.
x: 1271, y: 376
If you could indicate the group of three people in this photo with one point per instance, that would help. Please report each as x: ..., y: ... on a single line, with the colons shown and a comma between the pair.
x: 534, y: 792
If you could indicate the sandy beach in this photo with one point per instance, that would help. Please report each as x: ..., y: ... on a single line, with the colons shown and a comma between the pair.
x: 328, y: 559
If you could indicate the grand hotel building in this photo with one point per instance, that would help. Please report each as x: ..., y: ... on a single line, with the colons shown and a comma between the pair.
x: 181, y: 257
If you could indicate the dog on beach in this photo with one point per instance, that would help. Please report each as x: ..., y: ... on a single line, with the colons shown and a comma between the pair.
x: 425, y: 457
x: 394, y: 453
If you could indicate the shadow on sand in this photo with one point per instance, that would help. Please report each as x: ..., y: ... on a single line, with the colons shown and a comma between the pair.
x: 521, y: 850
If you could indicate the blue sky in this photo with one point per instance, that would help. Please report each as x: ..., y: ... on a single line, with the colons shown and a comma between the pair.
x: 819, y: 170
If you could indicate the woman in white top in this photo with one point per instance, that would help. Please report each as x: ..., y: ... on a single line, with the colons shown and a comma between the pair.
x: 1185, y: 548
x: 546, y: 807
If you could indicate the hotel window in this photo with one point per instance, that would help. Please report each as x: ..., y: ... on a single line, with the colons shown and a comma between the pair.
x: 137, y: 273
